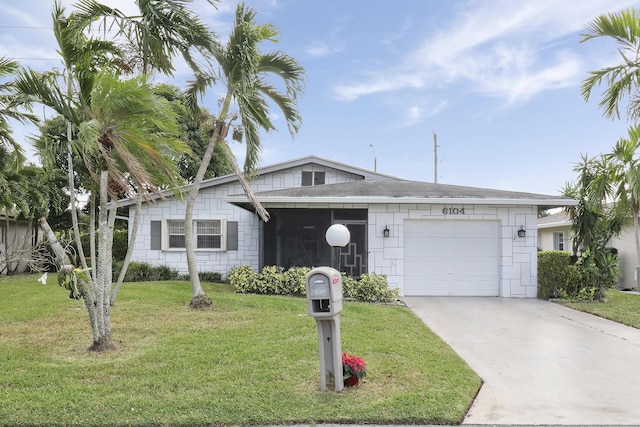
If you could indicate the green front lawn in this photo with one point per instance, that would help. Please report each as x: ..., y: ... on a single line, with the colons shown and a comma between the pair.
x: 252, y: 360
x: 621, y: 307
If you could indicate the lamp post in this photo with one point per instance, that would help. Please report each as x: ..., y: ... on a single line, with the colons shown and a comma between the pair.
x: 337, y: 237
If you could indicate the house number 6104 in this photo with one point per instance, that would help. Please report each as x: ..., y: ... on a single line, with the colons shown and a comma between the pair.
x: 453, y: 211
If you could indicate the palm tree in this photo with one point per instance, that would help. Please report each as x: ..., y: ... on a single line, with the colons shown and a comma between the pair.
x: 126, y: 137
x: 68, y: 93
x: 624, y: 174
x: 157, y: 34
x: 622, y: 79
x: 245, y: 72
x: 129, y: 143
x: 13, y: 105
x: 595, y: 219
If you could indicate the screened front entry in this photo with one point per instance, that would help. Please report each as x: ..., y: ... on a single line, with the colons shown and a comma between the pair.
x: 296, y: 238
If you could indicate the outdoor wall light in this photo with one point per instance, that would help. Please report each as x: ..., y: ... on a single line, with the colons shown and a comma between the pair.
x: 522, y: 232
x: 385, y: 231
x: 338, y: 235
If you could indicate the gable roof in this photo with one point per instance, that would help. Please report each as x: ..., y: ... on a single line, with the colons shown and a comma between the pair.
x: 276, y: 167
x: 402, y: 191
x: 558, y: 219
x: 367, y: 174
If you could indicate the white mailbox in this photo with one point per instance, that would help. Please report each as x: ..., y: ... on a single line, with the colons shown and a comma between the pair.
x: 324, y: 292
x: 324, y: 302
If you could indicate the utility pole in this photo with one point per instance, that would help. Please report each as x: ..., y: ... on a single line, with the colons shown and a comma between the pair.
x: 435, y: 157
x: 375, y: 159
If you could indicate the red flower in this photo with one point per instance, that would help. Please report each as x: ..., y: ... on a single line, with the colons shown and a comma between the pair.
x: 353, y: 366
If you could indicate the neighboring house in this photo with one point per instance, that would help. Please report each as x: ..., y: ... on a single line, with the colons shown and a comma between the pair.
x: 16, y: 240
x: 554, y: 232
x: 625, y: 243
x: 428, y: 239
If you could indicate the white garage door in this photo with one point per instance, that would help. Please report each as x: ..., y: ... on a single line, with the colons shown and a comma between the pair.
x: 451, y: 258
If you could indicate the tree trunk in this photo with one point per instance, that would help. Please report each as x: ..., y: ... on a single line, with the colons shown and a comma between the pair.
x: 260, y: 210
x: 92, y: 235
x: 637, y: 235
x: 72, y: 187
x: 127, y: 257
x: 4, y: 257
x: 199, y: 298
x: 102, y: 253
x: 107, y: 264
x: 67, y: 267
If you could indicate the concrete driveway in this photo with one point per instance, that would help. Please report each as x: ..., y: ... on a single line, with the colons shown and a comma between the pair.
x: 541, y: 363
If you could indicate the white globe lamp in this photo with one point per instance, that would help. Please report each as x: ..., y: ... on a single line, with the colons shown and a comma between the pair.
x: 338, y: 235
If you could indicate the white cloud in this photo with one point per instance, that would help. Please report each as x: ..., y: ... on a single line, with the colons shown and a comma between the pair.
x: 418, y: 113
x: 318, y: 49
x: 378, y: 83
x: 511, y: 50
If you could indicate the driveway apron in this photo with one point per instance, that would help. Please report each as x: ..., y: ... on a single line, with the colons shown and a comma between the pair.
x: 541, y: 363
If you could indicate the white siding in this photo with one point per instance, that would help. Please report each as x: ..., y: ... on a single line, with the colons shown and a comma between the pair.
x: 210, y: 205
x: 518, y: 260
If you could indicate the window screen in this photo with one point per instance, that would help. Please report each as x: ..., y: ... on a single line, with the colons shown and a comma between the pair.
x: 318, y: 178
x: 209, y: 234
x: 307, y: 179
x: 312, y: 178
x: 176, y: 234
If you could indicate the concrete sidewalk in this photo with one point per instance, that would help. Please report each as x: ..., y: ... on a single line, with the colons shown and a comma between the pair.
x: 541, y: 363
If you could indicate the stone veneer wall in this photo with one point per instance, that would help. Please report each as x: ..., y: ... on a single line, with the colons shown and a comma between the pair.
x: 210, y: 205
x: 518, y: 260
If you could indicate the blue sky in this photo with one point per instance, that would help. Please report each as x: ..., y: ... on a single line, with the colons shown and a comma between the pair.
x: 498, y: 81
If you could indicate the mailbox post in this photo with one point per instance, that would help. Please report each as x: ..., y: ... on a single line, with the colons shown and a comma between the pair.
x: 324, y: 301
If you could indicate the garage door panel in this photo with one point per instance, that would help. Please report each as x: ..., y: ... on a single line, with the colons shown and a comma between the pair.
x: 451, y: 257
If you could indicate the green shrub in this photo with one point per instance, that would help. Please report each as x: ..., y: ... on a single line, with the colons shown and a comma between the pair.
x: 244, y: 279
x: 209, y: 276
x: 138, y: 272
x: 144, y: 272
x: 273, y: 280
x: 373, y: 288
x: 294, y: 281
x: 555, y: 278
x: 349, y: 285
x: 120, y: 244
x: 599, y: 272
x: 163, y: 272
x: 593, y: 273
x: 270, y: 281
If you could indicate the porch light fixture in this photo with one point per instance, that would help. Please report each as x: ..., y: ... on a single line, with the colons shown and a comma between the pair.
x: 385, y: 232
x: 522, y: 232
x: 338, y: 235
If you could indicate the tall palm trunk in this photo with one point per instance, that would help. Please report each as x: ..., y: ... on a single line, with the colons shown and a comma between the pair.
x: 102, y: 252
x: 636, y: 229
x: 70, y: 177
x: 127, y: 257
x: 199, y: 297
x: 67, y: 267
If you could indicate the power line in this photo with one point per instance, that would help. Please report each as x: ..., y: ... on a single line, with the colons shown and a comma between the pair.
x: 26, y: 27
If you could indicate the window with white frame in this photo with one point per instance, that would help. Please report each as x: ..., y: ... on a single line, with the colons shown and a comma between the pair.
x: 310, y: 178
x: 558, y: 241
x: 208, y: 234
x: 175, y: 231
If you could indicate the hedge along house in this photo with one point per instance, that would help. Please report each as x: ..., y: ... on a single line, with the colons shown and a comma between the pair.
x: 428, y: 239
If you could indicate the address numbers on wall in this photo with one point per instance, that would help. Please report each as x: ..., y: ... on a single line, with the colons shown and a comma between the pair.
x: 453, y: 211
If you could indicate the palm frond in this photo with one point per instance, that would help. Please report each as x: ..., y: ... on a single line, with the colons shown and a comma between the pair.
x: 622, y: 80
